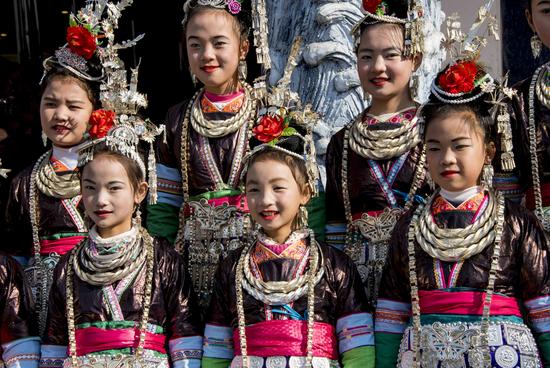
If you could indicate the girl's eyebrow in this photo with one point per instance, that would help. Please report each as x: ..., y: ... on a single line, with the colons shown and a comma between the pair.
x: 388, y: 49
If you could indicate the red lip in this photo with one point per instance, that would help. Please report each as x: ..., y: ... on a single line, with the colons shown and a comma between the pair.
x: 268, y: 215
x: 379, y: 82
x: 102, y: 214
x: 448, y: 173
x: 209, y: 69
x: 60, y: 129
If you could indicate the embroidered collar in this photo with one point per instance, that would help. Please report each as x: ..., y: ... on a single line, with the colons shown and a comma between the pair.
x: 295, y: 247
x: 398, y: 117
x: 64, y: 159
x: 232, y: 103
x: 440, y: 204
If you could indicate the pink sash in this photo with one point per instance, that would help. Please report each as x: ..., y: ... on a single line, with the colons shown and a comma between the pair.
x: 93, y: 339
x: 466, y: 303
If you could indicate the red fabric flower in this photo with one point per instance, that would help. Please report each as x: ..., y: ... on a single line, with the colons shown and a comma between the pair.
x: 269, y: 128
x: 459, y: 78
x: 100, y: 123
x: 371, y: 5
x: 81, y: 41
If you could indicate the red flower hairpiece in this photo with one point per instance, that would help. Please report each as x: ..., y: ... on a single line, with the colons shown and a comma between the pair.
x: 101, y: 121
x: 372, y: 6
x: 271, y: 127
x: 81, y: 41
x: 459, y: 78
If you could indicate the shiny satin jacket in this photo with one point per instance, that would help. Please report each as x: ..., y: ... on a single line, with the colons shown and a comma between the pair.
x: 223, y: 150
x: 54, y: 217
x: 522, y: 287
x: 364, y: 191
x: 15, y: 302
x: 331, y: 300
x: 521, y: 135
x: 172, y: 305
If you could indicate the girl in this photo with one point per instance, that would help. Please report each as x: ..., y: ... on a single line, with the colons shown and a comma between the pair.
x: 207, y: 136
x: 532, y: 108
x: 44, y: 208
x: 466, y: 264
x: 285, y: 300
x: 374, y: 164
x: 120, y: 298
x: 19, y: 346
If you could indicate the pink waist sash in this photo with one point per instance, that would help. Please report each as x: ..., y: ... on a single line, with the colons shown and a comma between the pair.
x: 59, y: 246
x: 465, y: 302
x: 93, y: 339
x: 287, y: 338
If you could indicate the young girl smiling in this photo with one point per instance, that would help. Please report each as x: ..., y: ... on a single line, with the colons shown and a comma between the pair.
x: 120, y: 298
x: 207, y: 136
x: 44, y: 208
x: 374, y: 164
x: 284, y: 299
x: 466, y: 264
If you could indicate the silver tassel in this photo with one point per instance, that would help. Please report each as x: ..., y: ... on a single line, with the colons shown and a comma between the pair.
x: 152, y: 168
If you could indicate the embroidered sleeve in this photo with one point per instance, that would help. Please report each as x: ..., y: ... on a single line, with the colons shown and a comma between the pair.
x: 52, y: 356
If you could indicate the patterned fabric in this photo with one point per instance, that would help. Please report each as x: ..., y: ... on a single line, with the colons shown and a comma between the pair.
x: 233, y: 105
x: 186, y: 352
x: 354, y: 331
x: 440, y: 204
x: 336, y: 234
x: 22, y: 353
x: 396, y: 118
x: 539, y: 313
x: 169, y: 186
x: 52, y: 356
x: 441, y: 280
x: 218, y: 342
x: 391, y: 316
x: 58, y: 166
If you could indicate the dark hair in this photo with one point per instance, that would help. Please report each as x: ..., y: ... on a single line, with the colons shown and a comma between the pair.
x: 527, y: 4
x: 297, y: 167
x: 131, y: 167
x: 365, y: 26
x: 476, y: 114
x: 293, y: 144
x: 91, y: 88
x: 243, y: 20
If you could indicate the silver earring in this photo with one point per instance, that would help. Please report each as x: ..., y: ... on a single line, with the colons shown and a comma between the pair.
x: 243, y: 70
x: 303, y: 216
x: 137, y: 217
x: 414, y: 84
x: 44, y: 139
x: 487, y: 176
x: 193, y: 78
x: 536, y: 46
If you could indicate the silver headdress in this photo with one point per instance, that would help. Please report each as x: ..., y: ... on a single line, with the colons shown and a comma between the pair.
x: 282, y: 107
x: 378, y: 11
x: 118, y: 124
x: 476, y: 82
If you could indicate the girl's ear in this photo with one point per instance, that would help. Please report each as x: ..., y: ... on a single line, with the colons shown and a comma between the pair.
x: 141, y: 192
x: 243, y: 51
x: 490, y: 152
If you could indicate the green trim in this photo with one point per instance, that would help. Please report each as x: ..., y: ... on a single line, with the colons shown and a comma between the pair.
x: 361, y: 357
x: 61, y: 236
x: 317, y: 215
x: 387, y: 349
x: 118, y: 325
x: 163, y: 221
x: 215, y: 362
x: 543, y: 341
x: 230, y: 192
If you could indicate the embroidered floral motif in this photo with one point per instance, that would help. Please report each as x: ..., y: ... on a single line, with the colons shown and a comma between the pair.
x: 440, y: 204
x: 233, y: 106
x: 398, y: 118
